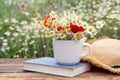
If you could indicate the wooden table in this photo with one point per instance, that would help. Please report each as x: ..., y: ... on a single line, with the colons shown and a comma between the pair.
x: 12, y: 69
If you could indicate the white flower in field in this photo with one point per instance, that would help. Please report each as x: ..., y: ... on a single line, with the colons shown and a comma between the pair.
x: 1, y: 38
x: 18, y: 29
x: 12, y: 39
x: 20, y: 51
x: 5, y: 44
x: 22, y: 34
x: 38, y: 36
x: 26, y: 49
x: 90, y: 29
x: 99, y: 24
x: 7, y: 33
x: 32, y: 42
x: 34, y: 19
x: 6, y: 20
x: 23, y: 22
x: 15, y: 34
x: 0, y: 27
x: 26, y: 13
x: 53, y: 14
x: 13, y: 20
x: 27, y: 37
x: 3, y: 49
x: 115, y: 28
x: 35, y: 52
x: 7, y: 48
x: 93, y: 33
x: 16, y: 56
x: 5, y: 40
x: 20, y: 40
x: 44, y: 46
x: 11, y: 28
x: 33, y: 36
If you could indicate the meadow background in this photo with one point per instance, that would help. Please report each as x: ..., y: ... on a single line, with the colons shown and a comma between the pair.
x: 20, y: 38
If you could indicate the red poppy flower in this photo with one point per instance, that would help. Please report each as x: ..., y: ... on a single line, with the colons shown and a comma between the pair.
x: 81, y: 29
x: 22, y: 5
x: 45, y: 21
x: 59, y: 28
x: 75, y: 28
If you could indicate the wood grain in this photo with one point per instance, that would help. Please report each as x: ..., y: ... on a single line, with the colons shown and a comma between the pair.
x: 12, y: 69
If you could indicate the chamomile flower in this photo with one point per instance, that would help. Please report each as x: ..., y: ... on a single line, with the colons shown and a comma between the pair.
x: 62, y: 36
x: 3, y: 50
x: 78, y: 36
x: 84, y: 24
x: 7, y: 33
x: 115, y: 28
x: 53, y: 14
x: 35, y: 52
x: 13, y: 20
x: 47, y: 34
x: 15, y: 34
x: 93, y: 33
x: 99, y: 24
x: 79, y: 22
x: 5, y: 40
x: 32, y: 42
x: 44, y: 46
x: 2, y: 38
x: 7, y: 48
x: 6, y: 20
x: 23, y: 22
x: 51, y: 33
x: 90, y: 29
x: 56, y: 36
x: 5, y: 44
x: 11, y: 28
x: 26, y: 13
x: 68, y: 30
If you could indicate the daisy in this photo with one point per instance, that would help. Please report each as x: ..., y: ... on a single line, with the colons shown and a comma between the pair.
x: 78, y: 36
x: 15, y: 34
x: 7, y: 33
x: 99, y: 24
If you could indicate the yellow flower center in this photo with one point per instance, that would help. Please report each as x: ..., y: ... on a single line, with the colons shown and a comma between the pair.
x: 79, y: 22
x: 38, y: 21
x: 85, y: 25
x: 74, y: 21
x: 99, y: 25
x: 90, y: 29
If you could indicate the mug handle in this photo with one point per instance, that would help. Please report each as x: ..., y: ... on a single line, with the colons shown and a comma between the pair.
x: 89, y: 49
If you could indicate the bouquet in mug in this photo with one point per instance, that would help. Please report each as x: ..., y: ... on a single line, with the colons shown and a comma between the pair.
x: 68, y: 27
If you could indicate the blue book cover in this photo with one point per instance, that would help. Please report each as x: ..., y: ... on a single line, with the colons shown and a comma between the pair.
x: 49, y: 65
x: 48, y: 61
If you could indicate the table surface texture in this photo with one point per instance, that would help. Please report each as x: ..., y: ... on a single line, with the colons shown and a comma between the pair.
x: 12, y: 69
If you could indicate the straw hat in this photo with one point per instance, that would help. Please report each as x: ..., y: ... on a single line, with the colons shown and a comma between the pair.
x: 105, y: 54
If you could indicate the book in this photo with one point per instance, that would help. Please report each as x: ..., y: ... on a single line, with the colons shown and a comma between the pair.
x: 49, y: 65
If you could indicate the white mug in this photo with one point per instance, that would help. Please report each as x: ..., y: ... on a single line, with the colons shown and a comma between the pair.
x: 69, y: 52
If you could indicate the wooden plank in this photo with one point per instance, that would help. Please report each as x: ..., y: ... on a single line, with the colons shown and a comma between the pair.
x: 38, y: 76
x: 12, y: 69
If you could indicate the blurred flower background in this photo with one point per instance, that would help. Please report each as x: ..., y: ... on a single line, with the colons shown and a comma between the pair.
x: 21, y: 30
